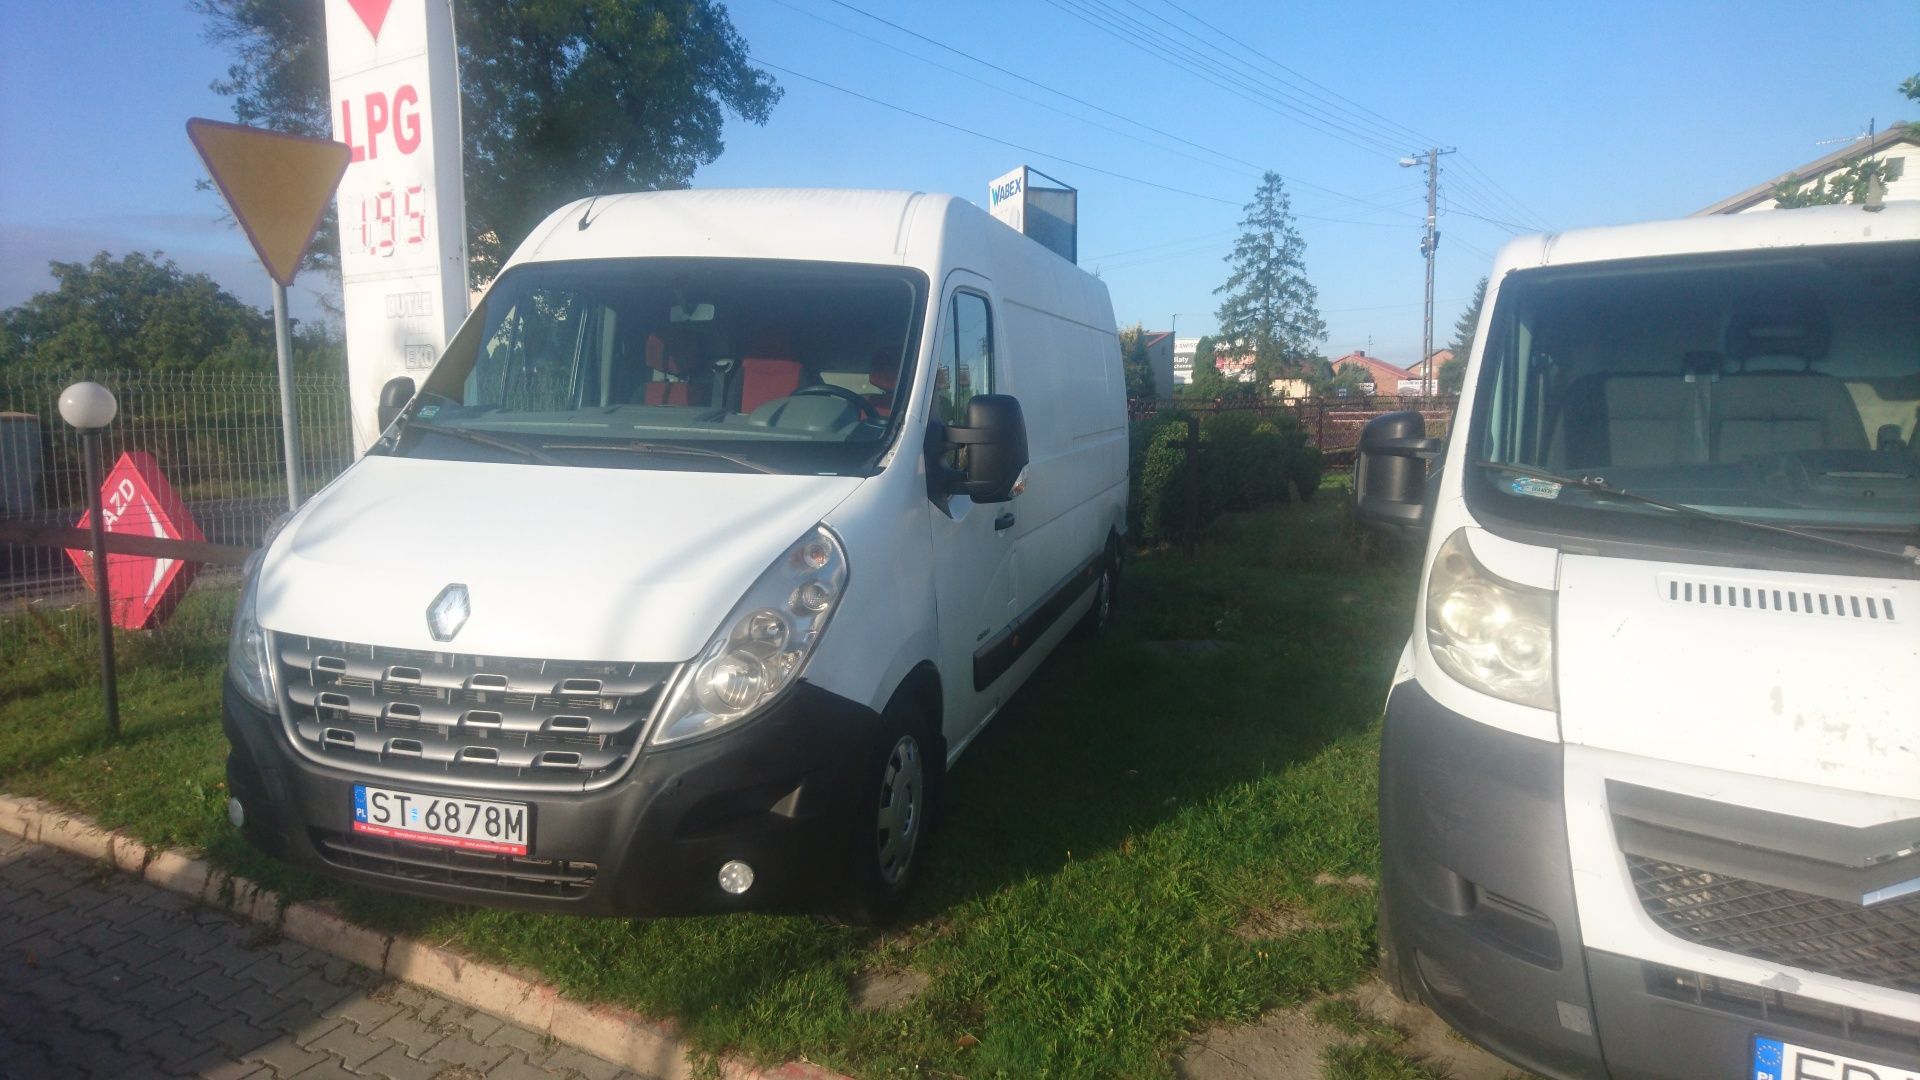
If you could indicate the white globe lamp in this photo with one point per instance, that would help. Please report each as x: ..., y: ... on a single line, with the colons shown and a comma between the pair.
x: 88, y: 406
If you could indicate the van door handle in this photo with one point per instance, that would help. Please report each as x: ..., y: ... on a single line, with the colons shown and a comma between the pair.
x: 1003, y: 522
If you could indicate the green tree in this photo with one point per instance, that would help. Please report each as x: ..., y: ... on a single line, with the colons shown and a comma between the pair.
x: 1453, y: 374
x: 1270, y: 309
x: 1206, y: 382
x: 1137, y: 364
x: 558, y: 98
x: 136, y: 313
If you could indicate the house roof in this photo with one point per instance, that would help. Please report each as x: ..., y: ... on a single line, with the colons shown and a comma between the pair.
x: 1440, y: 358
x: 1377, y: 369
x: 1885, y: 140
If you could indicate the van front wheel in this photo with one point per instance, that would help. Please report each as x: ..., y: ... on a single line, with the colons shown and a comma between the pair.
x: 890, y: 818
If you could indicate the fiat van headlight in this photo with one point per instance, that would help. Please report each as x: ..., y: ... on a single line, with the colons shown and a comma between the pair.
x: 1492, y: 634
x: 248, y: 659
x: 764, y: 643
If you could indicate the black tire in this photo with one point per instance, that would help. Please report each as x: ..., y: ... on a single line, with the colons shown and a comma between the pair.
x: 1106, y: 593
x: 892, y: 810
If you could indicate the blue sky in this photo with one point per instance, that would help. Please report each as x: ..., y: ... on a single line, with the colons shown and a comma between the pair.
x: 1564, y: 115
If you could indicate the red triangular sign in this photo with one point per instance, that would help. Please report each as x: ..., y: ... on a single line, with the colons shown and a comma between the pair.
x: 373, y: 13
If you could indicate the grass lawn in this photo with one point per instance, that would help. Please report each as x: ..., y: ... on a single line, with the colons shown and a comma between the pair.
x: 1129, y: 856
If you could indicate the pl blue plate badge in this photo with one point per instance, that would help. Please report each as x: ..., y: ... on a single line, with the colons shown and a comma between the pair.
x: 1534, y: 487
x: 1769, y: 1058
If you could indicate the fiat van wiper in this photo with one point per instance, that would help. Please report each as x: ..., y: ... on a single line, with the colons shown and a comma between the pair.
x: 1910, y: 556
x: 481, y: 438
x: 644, y: 447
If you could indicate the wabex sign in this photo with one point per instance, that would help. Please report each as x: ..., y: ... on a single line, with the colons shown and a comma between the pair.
x: 1006, y: 190
x: 1048, y: 212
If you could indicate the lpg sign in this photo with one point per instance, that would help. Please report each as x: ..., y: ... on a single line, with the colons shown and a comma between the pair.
x: 136, y: 498
x: 403, y: 247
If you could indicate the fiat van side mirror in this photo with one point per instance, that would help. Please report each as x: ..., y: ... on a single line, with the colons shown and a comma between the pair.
x: 1390, y: 472
x: 393, y: 397
x: 995, y: 441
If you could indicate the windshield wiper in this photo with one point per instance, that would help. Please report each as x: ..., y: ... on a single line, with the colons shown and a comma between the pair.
x: 481, y: 438
x: 1910, y: 556
x: 644, y: 447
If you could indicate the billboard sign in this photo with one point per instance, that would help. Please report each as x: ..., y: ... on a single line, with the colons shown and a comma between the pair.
x: 1036, y: 205
x: 402, y: 206
x: 137, y: 499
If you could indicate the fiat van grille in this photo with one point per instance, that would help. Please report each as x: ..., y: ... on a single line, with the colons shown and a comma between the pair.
x: 1878, y: 944
x: 455, y: 717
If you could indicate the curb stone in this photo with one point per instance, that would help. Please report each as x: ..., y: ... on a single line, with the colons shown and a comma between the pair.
x: 646, y: 1045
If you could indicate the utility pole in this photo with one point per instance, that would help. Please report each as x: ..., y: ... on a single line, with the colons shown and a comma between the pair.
x: 1429, y: 246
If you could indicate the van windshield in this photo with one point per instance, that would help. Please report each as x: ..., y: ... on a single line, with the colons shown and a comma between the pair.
x: 1778, y: 387
x: 683, y: 364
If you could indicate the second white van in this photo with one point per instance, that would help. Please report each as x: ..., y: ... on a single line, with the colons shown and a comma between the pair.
x: 723, y: 525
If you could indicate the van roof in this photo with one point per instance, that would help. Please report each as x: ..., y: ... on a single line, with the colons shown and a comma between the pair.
x: 1809, y: 227
x: 937, y: 234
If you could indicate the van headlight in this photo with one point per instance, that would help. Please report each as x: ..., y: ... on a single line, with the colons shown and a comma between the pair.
x: 764, y: 643
x: 1491, y: 634
x: 249, y: 661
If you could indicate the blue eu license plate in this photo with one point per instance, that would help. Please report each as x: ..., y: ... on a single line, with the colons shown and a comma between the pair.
x: 1777, y: 1059
x: 498, y: 828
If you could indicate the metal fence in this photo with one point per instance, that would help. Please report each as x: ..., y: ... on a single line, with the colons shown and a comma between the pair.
x: 214, y: 436
x: 1332, y: 424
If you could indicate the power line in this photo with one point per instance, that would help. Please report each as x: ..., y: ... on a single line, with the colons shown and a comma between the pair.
x: 1202, y: 67
x: 1252, y: 173
x: 1311, y: 101
x: 991, y: 138
x: 1417, y: 136
x: 1106, y: 111
x: 1526, y: 211
x: 1040, y: 85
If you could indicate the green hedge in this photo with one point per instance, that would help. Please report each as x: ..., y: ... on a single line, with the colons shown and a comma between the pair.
x: 1249, y: 461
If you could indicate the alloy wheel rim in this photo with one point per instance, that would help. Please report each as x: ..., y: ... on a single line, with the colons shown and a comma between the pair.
x: 902, y: 789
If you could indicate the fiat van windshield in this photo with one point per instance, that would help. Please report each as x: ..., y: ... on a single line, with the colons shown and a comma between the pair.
x: 681, y: 364
x: 1777, y: 388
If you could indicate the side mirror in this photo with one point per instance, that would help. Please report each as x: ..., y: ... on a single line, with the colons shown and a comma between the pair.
x: 394, y: 397
x: 995, y: 440
x: 1390, y: 472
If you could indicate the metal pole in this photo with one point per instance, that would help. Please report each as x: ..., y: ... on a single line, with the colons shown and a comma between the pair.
x: 102, y: 590
x: 1192, y: 531
x: 1433, y: 210
x: 289, y: 415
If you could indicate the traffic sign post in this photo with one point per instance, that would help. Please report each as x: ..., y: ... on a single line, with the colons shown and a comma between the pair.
x: 278, y: 187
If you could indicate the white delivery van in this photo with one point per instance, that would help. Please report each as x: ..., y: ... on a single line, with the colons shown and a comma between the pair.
x: 1650, y: 778
x: 721, y: 527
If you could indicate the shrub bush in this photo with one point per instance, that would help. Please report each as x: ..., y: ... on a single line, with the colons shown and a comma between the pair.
x: 1250, y: 461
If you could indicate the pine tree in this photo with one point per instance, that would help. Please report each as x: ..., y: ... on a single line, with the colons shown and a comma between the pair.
x: 1454, y: 372
x: 1270, y: 309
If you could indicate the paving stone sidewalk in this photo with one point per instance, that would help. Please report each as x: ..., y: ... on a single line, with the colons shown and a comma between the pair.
x: 103, y: 975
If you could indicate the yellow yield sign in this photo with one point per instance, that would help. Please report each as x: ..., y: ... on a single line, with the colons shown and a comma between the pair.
x: 278, y: 186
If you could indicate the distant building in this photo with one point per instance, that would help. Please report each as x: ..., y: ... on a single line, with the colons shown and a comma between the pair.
x: 1160, y: 357
x: 1381, y: 377
x: 1898, y: 147
x: 1416, y: 371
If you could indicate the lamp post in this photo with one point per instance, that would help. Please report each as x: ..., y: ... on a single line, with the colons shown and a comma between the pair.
x: 90, y: 407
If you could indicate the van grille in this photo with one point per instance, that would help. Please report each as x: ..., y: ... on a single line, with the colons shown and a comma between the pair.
x: 1878, y: 944
x: 485, y: 720
x: 1769, y: 596
x: 561, y: 879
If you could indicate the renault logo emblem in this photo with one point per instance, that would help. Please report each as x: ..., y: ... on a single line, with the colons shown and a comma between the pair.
x: 448, y: 612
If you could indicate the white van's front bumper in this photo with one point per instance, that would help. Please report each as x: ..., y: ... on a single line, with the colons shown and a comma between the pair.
x: 1512, y: 907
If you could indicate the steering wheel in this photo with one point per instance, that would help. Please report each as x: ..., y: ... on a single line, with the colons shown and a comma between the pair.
x: 861, y: 405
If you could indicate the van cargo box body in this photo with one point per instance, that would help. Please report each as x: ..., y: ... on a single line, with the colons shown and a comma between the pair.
x: 1650, y: 778
x: 722, y: 526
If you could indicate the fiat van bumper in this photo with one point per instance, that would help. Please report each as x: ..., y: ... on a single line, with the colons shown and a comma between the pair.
x: 777, y: 794
x: 1479, y: 912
